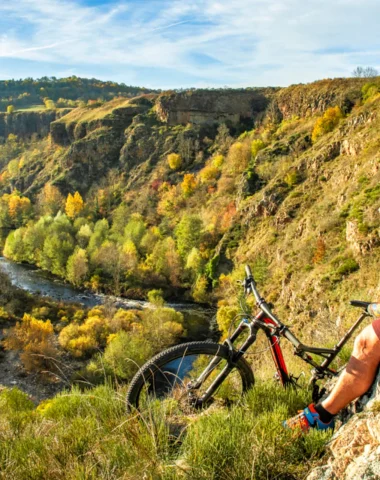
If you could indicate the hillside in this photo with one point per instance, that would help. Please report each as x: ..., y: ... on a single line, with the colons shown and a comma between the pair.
x: 251, y: 180
x: 69, y: 92
x: 169, y: 195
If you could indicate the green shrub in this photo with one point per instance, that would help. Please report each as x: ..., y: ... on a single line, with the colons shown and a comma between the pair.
x: 369, y: 90
x: 348, y: 266
x: 125, y: 353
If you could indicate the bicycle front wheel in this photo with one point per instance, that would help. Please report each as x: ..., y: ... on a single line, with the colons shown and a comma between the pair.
x: 188, y: 377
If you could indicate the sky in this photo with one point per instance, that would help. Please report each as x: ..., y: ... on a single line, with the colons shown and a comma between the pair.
x: 197, y: 43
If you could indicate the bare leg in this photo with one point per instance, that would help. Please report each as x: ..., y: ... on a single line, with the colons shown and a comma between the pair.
x: 359, y: 374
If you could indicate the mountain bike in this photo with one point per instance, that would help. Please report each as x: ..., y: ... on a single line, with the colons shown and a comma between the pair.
x: 194, y: 375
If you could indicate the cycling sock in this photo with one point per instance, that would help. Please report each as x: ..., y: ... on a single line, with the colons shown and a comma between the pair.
x: 324, y: 415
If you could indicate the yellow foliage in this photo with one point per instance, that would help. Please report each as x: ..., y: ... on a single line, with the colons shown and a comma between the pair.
x: 209, y: 174
x: 18, y: 206
x: 199, y: 290
x: 327, y: 122
x: 50, y: 199
x: 81, y: 340
x: 256, y: 146
x: 239, y: 156
x: 74, y: 205
x: 225, y: 316
x: 174, y: 161
x: 82, y: 345
x: 218, y: 161
x: 35, y: 338
x: 170, y: 202
x: 189, y: 184
x: 122, y: 320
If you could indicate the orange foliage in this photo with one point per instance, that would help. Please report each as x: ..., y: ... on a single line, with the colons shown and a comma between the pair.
x: 320, y: 251
x: 228, y: 216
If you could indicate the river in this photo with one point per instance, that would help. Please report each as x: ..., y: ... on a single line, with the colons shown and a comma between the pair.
x: 198, y: 320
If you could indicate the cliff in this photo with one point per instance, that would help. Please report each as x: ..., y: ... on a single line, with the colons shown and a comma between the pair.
x: 80, y: 122
x: 28, y: 123
x: 214, y: 106
x: 354, y: 450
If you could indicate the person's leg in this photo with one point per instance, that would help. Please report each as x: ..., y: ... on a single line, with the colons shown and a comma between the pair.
x: 360, y: 371
x: 354, y: 382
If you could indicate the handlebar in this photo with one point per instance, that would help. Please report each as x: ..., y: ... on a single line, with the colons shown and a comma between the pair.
x: 250, y: 286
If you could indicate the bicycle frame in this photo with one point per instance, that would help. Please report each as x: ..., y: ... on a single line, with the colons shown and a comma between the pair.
x: 274, y: 329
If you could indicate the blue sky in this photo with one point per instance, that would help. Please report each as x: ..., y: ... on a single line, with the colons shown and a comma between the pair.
x: 200, y: 43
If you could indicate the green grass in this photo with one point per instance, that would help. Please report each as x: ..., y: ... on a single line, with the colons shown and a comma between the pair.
x: 31, y: 108
x: 88, y: 114
x: 88, y: 435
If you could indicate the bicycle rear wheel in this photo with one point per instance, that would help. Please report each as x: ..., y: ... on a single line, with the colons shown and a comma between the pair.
x: 188, y: 377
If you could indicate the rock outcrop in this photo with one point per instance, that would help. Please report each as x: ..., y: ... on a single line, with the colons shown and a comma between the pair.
x: 116, y: 116
x: 26, y: 124
x: 355, y: 447
x: 216, y: 106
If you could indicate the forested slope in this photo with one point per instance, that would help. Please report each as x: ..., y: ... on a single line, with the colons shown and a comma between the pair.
x: 171, y: 194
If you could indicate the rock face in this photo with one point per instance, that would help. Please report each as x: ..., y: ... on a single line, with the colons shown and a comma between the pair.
x: 208, y: 107
x: 361, y: 244
x: 310, y: 99
x: 26, y: 124
x: 81, y: 122
x: 355, y: 447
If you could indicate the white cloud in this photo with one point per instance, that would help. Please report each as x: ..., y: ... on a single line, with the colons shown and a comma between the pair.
x: 252, y: 42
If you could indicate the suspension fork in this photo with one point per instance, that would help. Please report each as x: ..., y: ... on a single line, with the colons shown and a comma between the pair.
x: 278, y: 357
x: 234, y: 357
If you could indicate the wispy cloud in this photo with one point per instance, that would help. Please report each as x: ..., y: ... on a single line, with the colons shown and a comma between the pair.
x: 172, y: 43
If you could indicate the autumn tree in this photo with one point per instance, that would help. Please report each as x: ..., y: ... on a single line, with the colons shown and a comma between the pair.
x: 188, y: 184
x: 174, y: 161
x: 170, y: 202
x: 209, y: 174
x: 35, y: 339
x: 239, y: 156
x: 74, y: 205
x: 166, y: 261
x: 327, y: 122
x: 50, y: 200
x: 130, y: 255
x: 20, y: 208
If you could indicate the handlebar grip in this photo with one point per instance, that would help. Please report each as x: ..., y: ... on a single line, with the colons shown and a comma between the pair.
x: 248, y: 271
